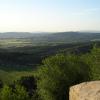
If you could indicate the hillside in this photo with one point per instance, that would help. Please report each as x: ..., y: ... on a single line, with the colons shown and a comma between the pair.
x: 49, y: 38
x: 22, y: 52
x: 23, y: 61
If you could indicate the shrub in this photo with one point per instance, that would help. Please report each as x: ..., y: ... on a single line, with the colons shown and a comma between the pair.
x: 93, y: 61
x: 6, y: 93
x: 19, y: 93
x: 58, y: 73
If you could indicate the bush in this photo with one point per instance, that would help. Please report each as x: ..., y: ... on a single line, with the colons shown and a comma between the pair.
x: 19, y: 93
x: 58, y: 73
x: 6, y: 93
x: 93, y: 61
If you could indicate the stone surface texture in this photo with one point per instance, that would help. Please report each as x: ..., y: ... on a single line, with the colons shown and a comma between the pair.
x: 85, y: 91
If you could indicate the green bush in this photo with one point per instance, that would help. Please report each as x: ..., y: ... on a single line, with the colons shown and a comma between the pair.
x: 93, y: 60
x: 58, y: 73
x: 19, y: 93
x: 6, y: 93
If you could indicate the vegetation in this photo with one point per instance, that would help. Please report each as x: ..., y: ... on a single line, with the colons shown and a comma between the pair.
x: 53, y: 76
x: 18, y: 93
x: 16, y: 62
x: 22, y: 89
x: 58, y: 73
x: 93, y: 60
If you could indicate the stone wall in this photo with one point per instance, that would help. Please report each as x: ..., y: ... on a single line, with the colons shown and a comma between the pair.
x: 85, y: 91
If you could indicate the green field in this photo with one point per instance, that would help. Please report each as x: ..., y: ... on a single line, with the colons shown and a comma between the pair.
x: 9, y: 77
x: 4, y: 43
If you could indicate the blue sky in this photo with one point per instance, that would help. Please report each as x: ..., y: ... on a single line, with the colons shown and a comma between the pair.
x: 49, y: 15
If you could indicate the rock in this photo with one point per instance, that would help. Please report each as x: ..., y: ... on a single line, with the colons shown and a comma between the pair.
x: 85, y: 91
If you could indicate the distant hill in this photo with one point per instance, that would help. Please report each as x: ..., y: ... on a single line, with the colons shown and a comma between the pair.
x: 16, y: 35
x: 71, y: 37
x: 63, y: 37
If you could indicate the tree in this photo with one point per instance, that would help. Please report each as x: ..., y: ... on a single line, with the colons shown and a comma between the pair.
x: 6, y: 93
x: 19, y: 93
x: 93, y: 61
x: 58, y: 73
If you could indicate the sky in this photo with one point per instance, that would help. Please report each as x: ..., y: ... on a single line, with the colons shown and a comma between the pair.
x: 49, y: 15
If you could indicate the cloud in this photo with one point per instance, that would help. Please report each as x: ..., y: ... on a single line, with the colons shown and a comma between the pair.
x: 87, y: 12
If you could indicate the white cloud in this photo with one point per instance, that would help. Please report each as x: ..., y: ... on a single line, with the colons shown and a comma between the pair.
x: 87, y: 11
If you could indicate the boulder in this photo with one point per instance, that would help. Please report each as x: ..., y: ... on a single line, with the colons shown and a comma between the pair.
x: 85, y: 91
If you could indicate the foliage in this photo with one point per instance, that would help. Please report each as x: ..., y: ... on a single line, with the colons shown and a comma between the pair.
x: 22, y: 89
x: 54, y: 77
x: 93, y: 60
x: 58, y: 73
x: 19, y: 93
x: 6, y: 93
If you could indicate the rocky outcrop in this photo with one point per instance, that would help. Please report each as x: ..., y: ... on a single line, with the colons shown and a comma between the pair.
x: 85, y: 91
